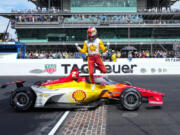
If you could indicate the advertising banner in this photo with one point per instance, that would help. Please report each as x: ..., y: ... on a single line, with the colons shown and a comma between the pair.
x: 62, y: 67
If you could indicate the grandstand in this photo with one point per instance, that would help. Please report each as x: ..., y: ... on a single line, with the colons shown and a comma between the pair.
x: 59, y: 24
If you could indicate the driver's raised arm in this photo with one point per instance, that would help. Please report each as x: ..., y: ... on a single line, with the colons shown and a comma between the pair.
x: 84, y: 49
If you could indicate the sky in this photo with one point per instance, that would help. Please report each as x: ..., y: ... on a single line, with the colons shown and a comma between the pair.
x: 7, y: 5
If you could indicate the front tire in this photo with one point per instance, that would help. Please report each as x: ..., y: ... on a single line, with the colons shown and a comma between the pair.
x: 131, y: 99
x: 22, y: 99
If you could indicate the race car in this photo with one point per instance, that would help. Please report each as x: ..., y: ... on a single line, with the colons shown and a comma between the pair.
x: 76, y: 92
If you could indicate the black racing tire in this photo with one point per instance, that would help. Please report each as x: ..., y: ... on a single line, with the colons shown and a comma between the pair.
x: 23, y: 99
x: 131, y: 99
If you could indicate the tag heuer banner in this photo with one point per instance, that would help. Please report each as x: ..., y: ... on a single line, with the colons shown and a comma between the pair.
x: 62, y: 67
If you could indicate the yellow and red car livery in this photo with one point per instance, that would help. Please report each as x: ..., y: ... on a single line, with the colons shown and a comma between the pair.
x: 79, y: 89
x: 76, y: 90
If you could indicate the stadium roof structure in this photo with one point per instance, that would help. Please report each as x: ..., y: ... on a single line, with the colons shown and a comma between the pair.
x: 59, y: 3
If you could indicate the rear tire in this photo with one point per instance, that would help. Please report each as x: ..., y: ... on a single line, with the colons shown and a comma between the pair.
x: 131, y: 99
x: 22, y: 99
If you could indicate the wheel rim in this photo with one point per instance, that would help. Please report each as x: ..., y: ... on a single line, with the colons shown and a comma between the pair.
x: 21, y: 99
x: 131, y: 99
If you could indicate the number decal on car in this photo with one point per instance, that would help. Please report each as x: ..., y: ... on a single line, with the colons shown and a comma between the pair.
x: 73, y: 74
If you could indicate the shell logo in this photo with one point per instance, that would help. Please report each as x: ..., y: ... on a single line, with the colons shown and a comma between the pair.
x: 92, y: 47
x: 79, y: 95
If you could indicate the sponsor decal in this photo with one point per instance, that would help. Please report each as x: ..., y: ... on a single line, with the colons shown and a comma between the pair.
x: 143, y: 70
x: 159, y: 70
x: 79, y: 95
x: 110, y: 68
x: 172, y: 59
x: 164, y: 70
x: 155, y: 102
x: 44, y: 95
x: 50, y: 68
x: 153, y: 70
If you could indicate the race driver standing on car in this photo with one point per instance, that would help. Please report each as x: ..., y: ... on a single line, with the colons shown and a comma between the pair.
x: 92, y: 46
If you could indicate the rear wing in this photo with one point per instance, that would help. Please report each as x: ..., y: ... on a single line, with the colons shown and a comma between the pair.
x: 18, y: 83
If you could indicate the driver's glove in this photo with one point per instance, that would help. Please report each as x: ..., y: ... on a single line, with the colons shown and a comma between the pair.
x: 77, y: 46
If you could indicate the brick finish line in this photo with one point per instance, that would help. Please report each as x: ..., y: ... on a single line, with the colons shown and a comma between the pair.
x: 91, y: 122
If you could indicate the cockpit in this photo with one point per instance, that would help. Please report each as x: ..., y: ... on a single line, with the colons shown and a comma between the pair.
x: 101, y: 80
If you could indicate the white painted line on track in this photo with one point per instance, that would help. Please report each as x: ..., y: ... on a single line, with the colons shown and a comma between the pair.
x: 54, y: 129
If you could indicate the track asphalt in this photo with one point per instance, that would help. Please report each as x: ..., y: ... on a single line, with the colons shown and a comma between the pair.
x: 146, y: 121
x: 149, y: 120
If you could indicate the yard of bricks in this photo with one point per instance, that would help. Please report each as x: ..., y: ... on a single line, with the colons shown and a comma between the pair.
x: 91, y: 122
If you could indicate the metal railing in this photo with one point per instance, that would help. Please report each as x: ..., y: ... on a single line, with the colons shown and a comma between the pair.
x: 101, y: 22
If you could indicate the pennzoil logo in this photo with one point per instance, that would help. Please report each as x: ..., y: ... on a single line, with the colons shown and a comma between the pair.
x: 50, y: 68
x: 79, y: 95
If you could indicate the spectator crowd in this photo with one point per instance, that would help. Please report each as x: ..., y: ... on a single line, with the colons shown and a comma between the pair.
x: 94, y: 19
x: 55, y: 15
x: 40, y: 11
x: 160, y: 10
x: 108, y: 56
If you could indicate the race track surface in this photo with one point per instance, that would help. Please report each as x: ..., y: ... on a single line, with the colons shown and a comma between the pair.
x: 149, y: 120
x: 146, y: 121
x: 36, y: 122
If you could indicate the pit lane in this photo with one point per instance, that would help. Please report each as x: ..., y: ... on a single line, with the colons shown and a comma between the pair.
x: 147, y: 120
